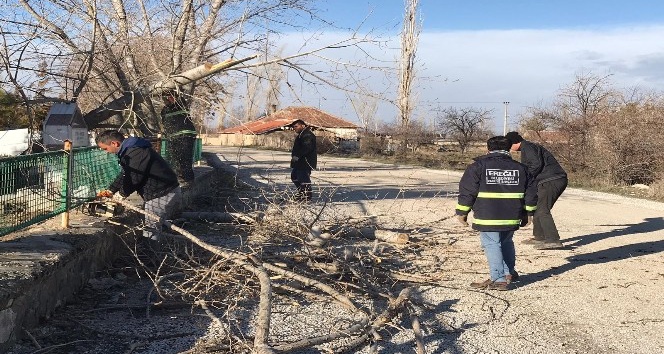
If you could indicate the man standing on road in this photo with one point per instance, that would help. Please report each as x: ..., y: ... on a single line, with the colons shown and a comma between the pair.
x: 303, y: 159
x: 503, y: 196
x: 551, y: 181
x: 181, y: 135
x: 146, y: 172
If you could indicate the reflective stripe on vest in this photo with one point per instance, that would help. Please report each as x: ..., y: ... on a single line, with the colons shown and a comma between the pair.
x: 496, y: 222
x: 500, y: 195
x: 176, y: 113
x: 462, y: 207
x: 183, y: 132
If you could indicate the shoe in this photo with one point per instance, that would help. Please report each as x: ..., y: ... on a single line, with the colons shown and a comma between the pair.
x: 481, y: 285
x: 549, y: 245
x: 511, y: 278
x: 532, y: 241
x: 498, y: 285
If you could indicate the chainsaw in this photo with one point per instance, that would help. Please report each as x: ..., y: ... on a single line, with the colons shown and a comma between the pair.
x: 99, y: 208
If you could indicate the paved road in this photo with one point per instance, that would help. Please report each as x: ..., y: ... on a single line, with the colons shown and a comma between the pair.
x: 602, y: 293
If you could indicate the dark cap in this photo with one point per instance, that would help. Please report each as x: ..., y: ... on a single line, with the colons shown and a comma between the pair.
x: 514, y: 137
x: 300, y: 121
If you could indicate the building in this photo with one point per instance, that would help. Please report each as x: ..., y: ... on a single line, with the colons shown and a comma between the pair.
x: 271, y: 130
x: 64, y: 121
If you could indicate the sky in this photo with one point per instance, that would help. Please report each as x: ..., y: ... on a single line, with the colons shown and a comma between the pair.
x: 482, y: 53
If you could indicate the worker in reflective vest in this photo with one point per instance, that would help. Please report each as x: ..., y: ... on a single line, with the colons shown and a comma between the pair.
x: 503, y: 196
x: 180, y: 134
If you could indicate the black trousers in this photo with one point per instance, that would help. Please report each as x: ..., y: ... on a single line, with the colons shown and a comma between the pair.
x: 301, y: 178
x: 544, y: 228
x: 181, y: 154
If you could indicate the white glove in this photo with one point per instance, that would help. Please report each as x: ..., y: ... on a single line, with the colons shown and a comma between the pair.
x: 117, y: 197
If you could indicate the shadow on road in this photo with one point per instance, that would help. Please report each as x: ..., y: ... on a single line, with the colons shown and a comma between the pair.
x: 609, y: 255
x: 648, y: 225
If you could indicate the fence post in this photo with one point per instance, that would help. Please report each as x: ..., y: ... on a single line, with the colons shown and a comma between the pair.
x: 67, y: 192
x: 198, y: 149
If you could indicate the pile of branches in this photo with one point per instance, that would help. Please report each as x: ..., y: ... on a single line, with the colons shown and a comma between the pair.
x: 298, y: 251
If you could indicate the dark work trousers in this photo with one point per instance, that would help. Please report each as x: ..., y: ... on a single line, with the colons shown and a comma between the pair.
x: 181, y: 156
x: 544, y: 228
x: 301, y: 178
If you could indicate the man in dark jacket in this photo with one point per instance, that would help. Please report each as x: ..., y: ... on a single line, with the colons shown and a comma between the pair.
x: 180, y: 134
x: 303, y: 159
x: 143, y: 171
x: 551, y: 181
x: 503, y: 196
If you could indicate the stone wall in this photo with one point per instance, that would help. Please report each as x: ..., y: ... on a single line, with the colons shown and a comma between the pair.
x: 42, y: 269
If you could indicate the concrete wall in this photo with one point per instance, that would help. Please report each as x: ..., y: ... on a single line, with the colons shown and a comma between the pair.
x: 39, y: 273
x: 40, y: 270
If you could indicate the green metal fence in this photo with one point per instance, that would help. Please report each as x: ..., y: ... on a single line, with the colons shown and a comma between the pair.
x: 198, y: 149
x: 35, y: 187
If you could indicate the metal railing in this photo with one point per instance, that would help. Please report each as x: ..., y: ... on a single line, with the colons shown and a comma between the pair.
x: 36, y: 187
x: 163, y: 149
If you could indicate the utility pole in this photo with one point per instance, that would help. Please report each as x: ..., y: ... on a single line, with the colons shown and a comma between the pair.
x: 506, y: 103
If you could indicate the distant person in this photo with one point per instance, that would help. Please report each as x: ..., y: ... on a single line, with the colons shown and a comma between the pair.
x: 180, y: 133
x: 551, y: 181
x: 303, y: 159
x: 143, y: 171
x: 502, y: 195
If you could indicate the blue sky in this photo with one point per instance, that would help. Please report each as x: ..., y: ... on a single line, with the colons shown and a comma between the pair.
x: 481, y: 53
x: 497, y: 14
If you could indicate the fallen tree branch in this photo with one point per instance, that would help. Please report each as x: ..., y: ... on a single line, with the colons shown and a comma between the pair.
x: 308, y: 342
x: 417, y: 330
x: 265, y: 303
x: 221, y: 217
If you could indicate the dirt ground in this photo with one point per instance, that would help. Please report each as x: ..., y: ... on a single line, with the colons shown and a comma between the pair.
x: 601, y: 293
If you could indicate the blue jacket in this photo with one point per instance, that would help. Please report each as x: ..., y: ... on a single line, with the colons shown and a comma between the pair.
x: 499, y: 190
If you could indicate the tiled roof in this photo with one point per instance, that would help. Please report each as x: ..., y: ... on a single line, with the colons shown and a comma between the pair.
x: 275, y: 121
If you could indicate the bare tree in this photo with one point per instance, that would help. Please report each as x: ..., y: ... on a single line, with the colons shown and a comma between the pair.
x: 110, y: 56
x: 409, y: 40
x: 274, y: 78
x: 223, y: 105
x: 464, y: 125
x: 365, y: 108
x: 627, y: 144
x: 577, y: 108
x: 253, y: 93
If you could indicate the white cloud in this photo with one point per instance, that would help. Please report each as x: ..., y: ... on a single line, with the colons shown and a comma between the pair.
x: 525, y: 67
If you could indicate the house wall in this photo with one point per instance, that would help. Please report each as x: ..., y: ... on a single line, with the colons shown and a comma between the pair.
x: 282, y: 140
x: 343, y: 133
x: 279, y: 140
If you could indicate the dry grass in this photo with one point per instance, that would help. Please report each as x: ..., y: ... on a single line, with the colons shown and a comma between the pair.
x: 429, y: 157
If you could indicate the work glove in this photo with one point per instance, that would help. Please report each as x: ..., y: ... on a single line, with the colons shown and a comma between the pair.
x: 117, y: 197
x: 526, y: 220
x: 104, y: 194
x: 295, y: 159
x: 463, y: 219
